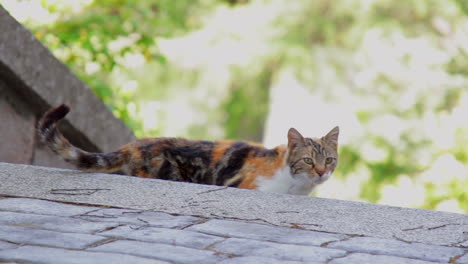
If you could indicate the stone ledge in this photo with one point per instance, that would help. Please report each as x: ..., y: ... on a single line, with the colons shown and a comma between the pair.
x: 307, y: 213
x: 34, y: 74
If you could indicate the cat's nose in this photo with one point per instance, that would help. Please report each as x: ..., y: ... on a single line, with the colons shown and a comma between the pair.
x: 320, y: 171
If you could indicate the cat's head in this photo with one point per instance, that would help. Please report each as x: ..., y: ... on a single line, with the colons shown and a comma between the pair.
x: 315, y: 157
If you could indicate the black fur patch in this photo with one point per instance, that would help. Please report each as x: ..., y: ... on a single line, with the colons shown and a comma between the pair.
x: 49, y: 136
x: 240, y: 151
x: 192, y: 161
x: 270, y: 153
x: 146, y: 153
x: 145, y: 169
x: 87, y: 161
x: 53, y: 116
x: 165, y: 171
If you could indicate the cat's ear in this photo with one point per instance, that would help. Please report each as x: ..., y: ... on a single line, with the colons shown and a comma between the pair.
x: 332, y: 137
x: 294, y: 138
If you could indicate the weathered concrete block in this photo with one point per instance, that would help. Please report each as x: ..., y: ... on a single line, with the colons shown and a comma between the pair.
x: 129, y: 231
x: 35, y: 254
x: 43, y: 207
x: 141, y: 218
x: 162, y: 235
x: 437, y: 234
x: 260, y: 260
x: 398, y: 248
x: 359, y: 258
x: 17, y: 131
x: 6, y: 245
x: 29, y: 236
x: 245, y: 247
x: 316, y: 214
x: 40, y: 81
x: 171, y: 253
x: 53, y: 223
x: 265, y: 232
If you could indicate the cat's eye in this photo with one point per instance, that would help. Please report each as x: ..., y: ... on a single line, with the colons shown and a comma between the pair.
x: 308, y: 161
x: 329, y: 160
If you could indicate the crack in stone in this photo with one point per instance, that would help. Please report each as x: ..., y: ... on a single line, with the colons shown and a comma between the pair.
x: 77, y: 191
x: 214, y: 190
x: 459, y: 244
x: 144, y: 221
x: 431, y: 228
x: 411, y: 229
x: 211, y: 246
x: 137, y: 227
x: 252, y: 220
x: 109, y: 228
x: 201, y: 221
x: 12, y: 242
x: 442, y: 226
x: 335, y: 241
x: 401, y: 239
x: 301, y: 225
x: 340, y: 257
x: 427, y: 229
x: 84, y: 214
x: 134, y: 212
x: 102, y: 242
x: 104, y: 215
x: 287, y: 212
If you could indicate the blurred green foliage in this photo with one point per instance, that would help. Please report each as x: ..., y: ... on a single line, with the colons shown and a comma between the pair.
x: 83, y: 38
x: 400, y: 67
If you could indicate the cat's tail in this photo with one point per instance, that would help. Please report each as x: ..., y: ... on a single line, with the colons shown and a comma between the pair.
x: 52, y: 137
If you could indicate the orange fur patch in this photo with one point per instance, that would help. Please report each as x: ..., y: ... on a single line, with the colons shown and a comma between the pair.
x: 141, y: 173
x: 219, y: 150
x: 260, y: 166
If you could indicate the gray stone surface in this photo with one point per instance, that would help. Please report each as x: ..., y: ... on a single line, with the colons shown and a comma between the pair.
x: 139, y: 217
x: 62, y: 256
x: 259, y: 260
x: 161, y: 251
x: 447, y: 234
x: 22, y: 235
x: 463, y: 259
x: 56, y: 223
x: 398, y: 248
x: 238, y: 246
x: 164, y: 235
x: 342, y: 217
x: 463, y: 244
x: 36, y: 206
x: 117, y: 219
x: 359, y: 258
x: 6, y: 245
x: 16, y: 130
x: 265, y: 232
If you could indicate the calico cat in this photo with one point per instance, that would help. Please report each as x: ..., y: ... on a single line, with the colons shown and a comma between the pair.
x: 295, y: 168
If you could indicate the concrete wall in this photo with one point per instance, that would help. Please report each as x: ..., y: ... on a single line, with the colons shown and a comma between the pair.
x: 32, y: 80
x: 194, y: 223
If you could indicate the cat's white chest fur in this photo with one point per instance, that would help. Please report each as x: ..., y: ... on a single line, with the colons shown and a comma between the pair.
x: 284, y: 182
